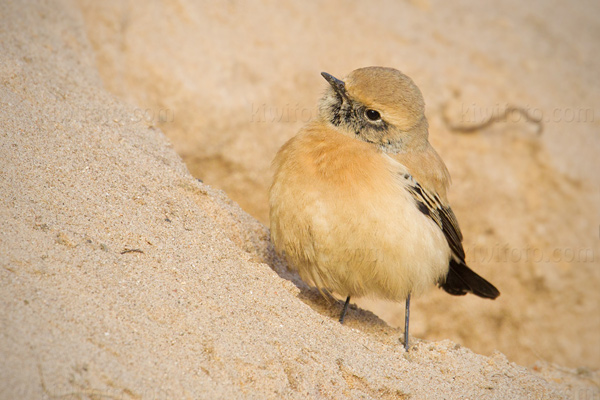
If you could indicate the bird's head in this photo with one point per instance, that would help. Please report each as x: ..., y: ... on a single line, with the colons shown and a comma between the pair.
x: 378, y: 105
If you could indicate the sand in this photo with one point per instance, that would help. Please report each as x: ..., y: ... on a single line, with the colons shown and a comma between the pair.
x: 230, y: 84
x: 123, y: 276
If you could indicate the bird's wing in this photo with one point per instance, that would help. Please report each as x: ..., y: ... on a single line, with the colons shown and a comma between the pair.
x: 431, y: 205
x: 460, y: 279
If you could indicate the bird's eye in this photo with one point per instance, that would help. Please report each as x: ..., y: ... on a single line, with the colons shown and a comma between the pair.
x: 373, y: 115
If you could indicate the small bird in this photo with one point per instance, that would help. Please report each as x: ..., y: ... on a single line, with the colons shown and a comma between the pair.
x: 358, y: 202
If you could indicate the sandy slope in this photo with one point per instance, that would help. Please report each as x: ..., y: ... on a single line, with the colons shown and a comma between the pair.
x: 122, y: 276
x: 229, y: 84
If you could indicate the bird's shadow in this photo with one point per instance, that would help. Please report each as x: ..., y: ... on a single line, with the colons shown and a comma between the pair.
x: 325, y: 303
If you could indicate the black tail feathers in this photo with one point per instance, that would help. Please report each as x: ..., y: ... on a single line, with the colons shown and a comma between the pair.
x: 462, y: 280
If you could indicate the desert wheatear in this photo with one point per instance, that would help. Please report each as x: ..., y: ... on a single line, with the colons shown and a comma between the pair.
x: 358, y: 203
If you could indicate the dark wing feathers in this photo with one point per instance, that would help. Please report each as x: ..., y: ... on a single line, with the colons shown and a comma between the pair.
x: 460, y: 279
x: 452, y: 232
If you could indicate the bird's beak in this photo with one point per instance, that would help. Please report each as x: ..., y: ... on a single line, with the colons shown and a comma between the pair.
x: 336, y: 84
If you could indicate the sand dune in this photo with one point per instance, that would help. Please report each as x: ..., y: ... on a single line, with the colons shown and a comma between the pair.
x: 123, y: 276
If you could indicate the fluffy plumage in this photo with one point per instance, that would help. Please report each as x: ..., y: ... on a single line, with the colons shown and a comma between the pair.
x: 358, y: 201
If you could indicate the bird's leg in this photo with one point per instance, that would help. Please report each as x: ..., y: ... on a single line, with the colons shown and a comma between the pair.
x: 344, y: 310
x: 406, y: 318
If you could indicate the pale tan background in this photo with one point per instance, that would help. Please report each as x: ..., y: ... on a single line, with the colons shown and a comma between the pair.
x: 122, y: 276
x: 233, y: 82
